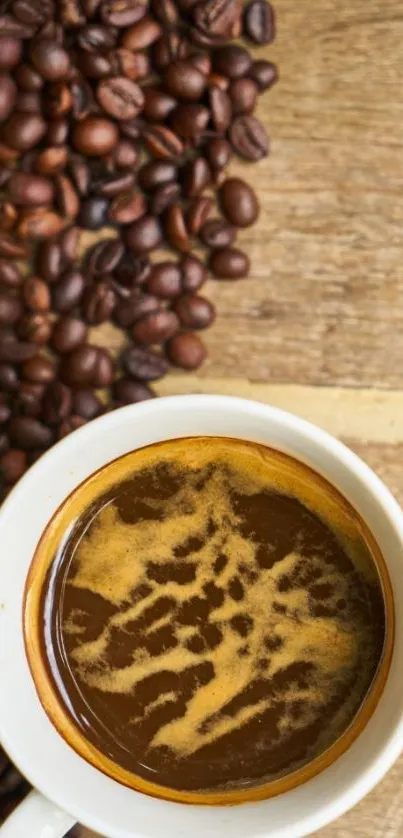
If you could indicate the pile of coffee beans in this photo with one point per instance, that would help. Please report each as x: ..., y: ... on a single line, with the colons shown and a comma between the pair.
x: 119, y: 114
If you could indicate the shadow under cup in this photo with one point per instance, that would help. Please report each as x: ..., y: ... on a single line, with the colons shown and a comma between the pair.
x: 312, y: 491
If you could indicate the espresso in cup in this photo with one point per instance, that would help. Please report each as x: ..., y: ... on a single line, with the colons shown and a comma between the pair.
x: 208, y: 620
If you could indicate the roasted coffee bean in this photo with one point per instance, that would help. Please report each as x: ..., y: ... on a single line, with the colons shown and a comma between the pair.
x: 165, y: 280
x: 5, y: 410
x: 122, y: 13
x: 113, y: 184
x: 8, y: 95
x: 162, y: 143
x: 129, y: 311
x: 35, y: 328
x: 201, y: 61
x: 39, y: 370
x: 157, y: 173
x: 190, y: 121
x: 186, y: 350
x: 58, y: 132
x: 10, y: 274
x: 238, y: 202
x: 57, y: 403
x: 195, y: 176
x: 58, y: 100
x: 10, y: 248
x: 28, y: 400
x: 104, y: 370
x: 23, y: 131
x: 175, y: 228
x: 69, y: 425
x: 86, y: 404
x: 8, y: 378
x: 120, y: 97
x: 68, y: 333
x: 264, y: 74
x: 157, y: 104
x: 127, y: 391
x: 232, y: 60
x: 28, y: 102
x: 194, y: 273
x: 4, y: 445
x: 83, y: 100
x: 156, y: 327
x: 125, y: 155
x: 229, y: 263
x: 67, y: 293
x: 259, y: 22
x: 132, y: 128
x: 142, y: 35
x: 10, y: 52
x: 8, y: 216
x: 243, y: 94
x: 9, y: 25
x: 95, y: 38
x: 10, y: 309
x: 194, y: 312
x: 13, y: 464
x: 36, y: 294
x: 49, y: 260
x: 184, y: 81
x: 217, y: 233
x: 71, y: 13
x: 144, y: 235
x: 39, y: 224
x: 68, y: 244
x: 27, y: 78
x: 81, y: 175
x: 132, y: 270
x: 165, y: 11
x: 104, y: 257
x: 51, y: 160
x: 143, y: 364
x: 172, y: 46
x: 127, y: 207
x: 221, y: 109
x: 198, y: 213
x: 98, y: 303
x: 77, y: 369
x: 29, y: 433
x: 93, y: 213
x: 67, y: 199
x: 248, y: 138
x: 216, y: 18
x: 163, y: 197
x: 50, y: 59
x: 95, y: 136
x: 215, y: 80
x: 30, y: 190
x: 35, y: 12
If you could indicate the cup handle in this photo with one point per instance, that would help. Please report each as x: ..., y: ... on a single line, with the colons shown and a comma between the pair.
x: 37, y: 817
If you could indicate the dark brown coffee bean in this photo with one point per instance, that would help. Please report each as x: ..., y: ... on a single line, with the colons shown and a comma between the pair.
x: 4, y: 446
x: 217, y: 233
x: 93, y: 213
x: 83, y: 100
x: 259, y: 22
x: 166, y: 12
x: 27, y: 78
x: 77, y: 369
x: 198, y: 213
x: 157, y: 173
x: 162, y: 143
x: 125, y: 155
x: 184, y: 81
x: 67, y: 293
x: 86, y: 403
x: 238, y: 202
x: 175, y: 228
x: 30, y: 190
x: 35, y: 13
x: 8, y: 216
x: 39, y: 224
x: 104, y: 371
x: 143, y: 364
x: 67, y: 199
x: 243, y: 94
x: 8, y: 95
x: 34, y: 328
x: 122, y: 13
x: 144, y: 235
x: 8, y: 154
x: 195, y: 176
x: 10, y: 309
x: 58, y: 132
x: 23, y: 131
x: 51, y: 160
x: 129, y: 311
x: 10, y: 274
x: 216, y: 18
x: 142, y: 35
x: 165, y: 280
x: 163, y: 197
x: 28, y: 400
x: 172, y: 46
x: 49, y: 260
x: 248, y: 138
x: 50, y: 59
x: 215, y: 80
x: 113, y: 184
x: 132, y: 271
x: 201, y: 61
x: 95, y: 38
x: 10, y: 26
x: 190, y: 122
x: 13, y: 464
x: 264, y: 74
x: 36, y: 294
x: 229, y: 263
x: 58, y: 100
x: 69, y: 425
x: 232, y: 61
x: 194, y: 312
x: 39, y: 370
x: 57, y: 403
x: 68, y: 333
x: 127, y: 207
x: 10, y: 248
x: 104, y: 257
x: 10, y: 52
x: 220, y: 107
x: 68, y: 243
x: 5, y: 410
x: 8, y: 378
x: 29, y: 433
x: 95, y: 136
x: 81, y: 175
x: 98, y: 303
x: 127, y: 391
x: 194, y: 273
x: 28, y: 102
x: 120, y: 97
x: 132, y: 128
x: 71, y: 14
x: 157, y: 104
x: 156, y: 327
x: 186, y: 350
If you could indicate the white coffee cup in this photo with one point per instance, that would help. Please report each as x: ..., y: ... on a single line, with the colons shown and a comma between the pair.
x: 72, y: 789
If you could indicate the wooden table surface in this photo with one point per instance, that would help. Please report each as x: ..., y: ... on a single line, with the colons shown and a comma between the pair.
x: 318, y: 328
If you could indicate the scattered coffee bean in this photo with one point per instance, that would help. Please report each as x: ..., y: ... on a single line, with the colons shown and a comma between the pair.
x: 264, y: 73
x: 69, y: 425
x: 86, y: 404
x: 197, y: 213
x: 77, y: 368
x: 57, y: 403
x: 95, y: 136
x: 232, y: 61
x: 104, y: 257
x: 194, y: 273
x: 40, y: 370
x: 127, y: 391
x: 10, y: 309
x: 35, y: 328
x: 186, y: 350
x: 217, y: 233
x: 29, y: 399
x: 50, y: 59
x: 142, y: 35
x: 184, y: 81
x: 165, y: 280
x: 10, y: 52
x: 163, y: 197
x: 119, y: 97
x: 104, y: 371
x: 29, y: 433
x: 13, y: 463
x: 229, y: 263
x: 259, y: 22
x: 67, y: 293
x: 8, y: 95
x: 157, y: 173
x: 196, y: 175
x: 98, y: 303
x: 157, y: 104
x: 175, y: 228
x: 194, y: 312
x: 144, y: 235
x: 8, y: 378
x: 68, y: 334
x: 36, y: 294
x: 93, y: 213
x: 155, y: 328
x: 127, y: 207
x: 243, y: 94
x: 238, y: 202
x: 129, y: 311
x: 16, y: 352
x: 23, y: 131
x: 10, y: 275
x: 143, y: 364
x: 49, y: 260
x: 248, y: 138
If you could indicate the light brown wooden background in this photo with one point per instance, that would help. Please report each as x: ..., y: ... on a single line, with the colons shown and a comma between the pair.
x: 318, y: 328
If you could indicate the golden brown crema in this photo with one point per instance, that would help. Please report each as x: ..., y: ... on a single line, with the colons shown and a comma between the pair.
x: 208, y: 620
